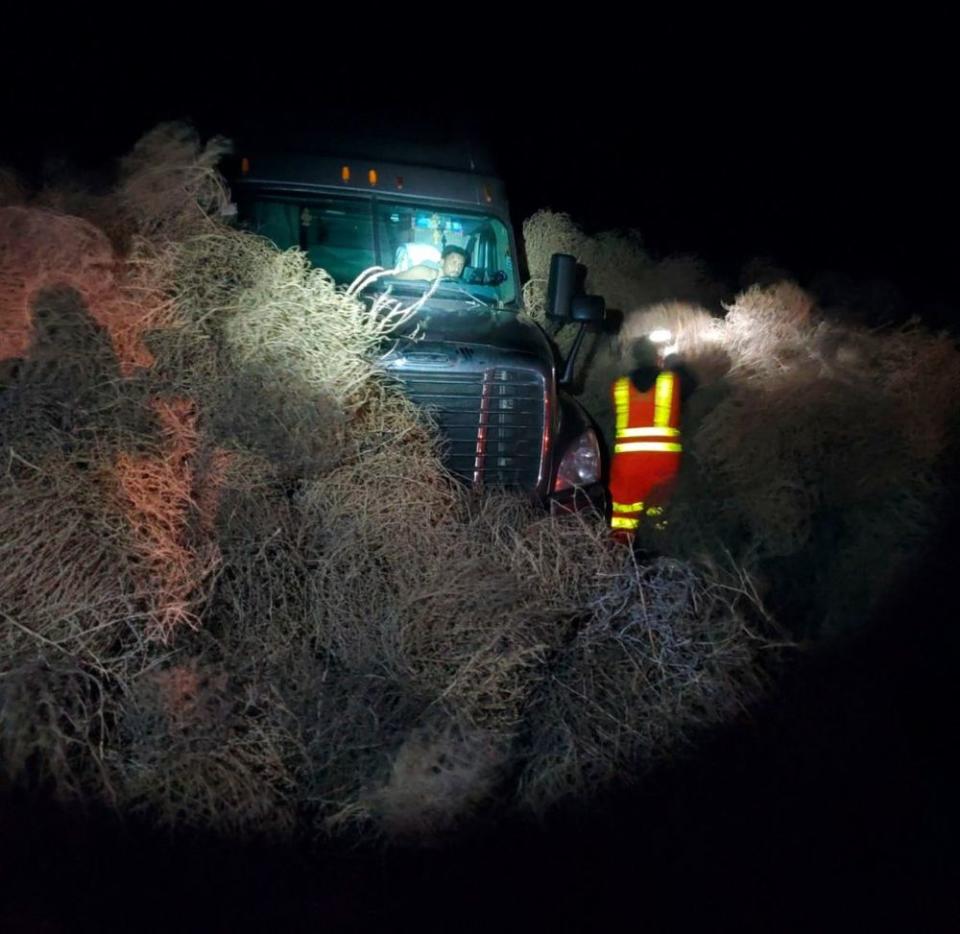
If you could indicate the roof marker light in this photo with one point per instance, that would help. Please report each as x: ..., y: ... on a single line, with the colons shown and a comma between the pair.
x: 244, y: 166
x: 345, y: 173
x: 400, y: 182
x: 372, y: 176
x: 486, y: 194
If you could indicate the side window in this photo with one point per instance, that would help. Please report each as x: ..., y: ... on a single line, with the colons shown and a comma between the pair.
x: 484, y: 250
x: 275, y: 220
x: 479, y: 254
x: 503, y: 262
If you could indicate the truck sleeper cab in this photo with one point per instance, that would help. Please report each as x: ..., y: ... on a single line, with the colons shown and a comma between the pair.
x: 486, y: 374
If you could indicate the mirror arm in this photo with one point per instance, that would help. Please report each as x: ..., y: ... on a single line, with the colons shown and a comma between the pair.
x: 567, y: 377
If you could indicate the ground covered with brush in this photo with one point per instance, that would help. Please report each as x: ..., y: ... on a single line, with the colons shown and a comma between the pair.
x: 820, y: 451
x: 834, y: 804
x: 240, y: 593
x: 238, y: 589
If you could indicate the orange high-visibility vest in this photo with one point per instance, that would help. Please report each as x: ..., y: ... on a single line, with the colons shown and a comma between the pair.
x: 646, y: 450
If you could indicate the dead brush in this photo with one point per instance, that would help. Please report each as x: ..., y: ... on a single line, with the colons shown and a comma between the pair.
x: 416, y: 585
x: 618, y: 265
x: 770, y: 329
x: 140, y: 304
x: 784, y: 449
x: 822, y: 448
x: 169, y: 186
x: 67, y: 393
x: 663, y: 650
x: 272, y: 306
x: 70, y: 197
x: 64, y: 573
x: 77, y: 602
x: 195, y: 750
x: 312, y: 619
x: 454, y: 681
x: 271, y: 612
x: 168, y: 527
x: 402, y: 624
x: 56, y: 713
x: 69, y: 620
x: 921, y: 373
x: 314, y: 606
x: 43, y: 251
x: 440, y: 776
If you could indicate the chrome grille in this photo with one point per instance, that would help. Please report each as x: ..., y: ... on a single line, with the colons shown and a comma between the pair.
x: 492, y: 422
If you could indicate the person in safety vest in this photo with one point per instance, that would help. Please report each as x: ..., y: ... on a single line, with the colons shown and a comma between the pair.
x: 647, y: 442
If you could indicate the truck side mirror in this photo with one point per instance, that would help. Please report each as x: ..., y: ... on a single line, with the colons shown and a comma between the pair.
x: 588, y: 309
x: 561, y: 286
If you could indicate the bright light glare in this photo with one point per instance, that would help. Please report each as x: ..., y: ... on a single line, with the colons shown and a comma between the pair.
x: 661, y: 336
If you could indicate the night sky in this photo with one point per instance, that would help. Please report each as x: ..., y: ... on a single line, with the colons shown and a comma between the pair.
x: 819, y: 145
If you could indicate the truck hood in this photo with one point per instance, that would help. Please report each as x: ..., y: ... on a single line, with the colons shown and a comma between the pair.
x: 503, y: 332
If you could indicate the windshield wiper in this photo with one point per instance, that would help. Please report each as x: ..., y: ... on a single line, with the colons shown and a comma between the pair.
x: 462, y: 291
x: 417, y: 287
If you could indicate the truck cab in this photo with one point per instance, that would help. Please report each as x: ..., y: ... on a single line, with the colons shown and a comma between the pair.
x: 486, y: 373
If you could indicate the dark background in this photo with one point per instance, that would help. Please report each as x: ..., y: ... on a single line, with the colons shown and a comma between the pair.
x: 820, y: 145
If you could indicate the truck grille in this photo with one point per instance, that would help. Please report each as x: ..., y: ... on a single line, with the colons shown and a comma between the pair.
x: 492, y: 422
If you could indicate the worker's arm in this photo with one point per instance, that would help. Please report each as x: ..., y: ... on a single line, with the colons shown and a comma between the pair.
x: 427, y: 273
x: 687, y: 380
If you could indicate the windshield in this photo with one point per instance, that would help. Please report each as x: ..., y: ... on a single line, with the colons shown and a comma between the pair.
x: 469, y: 252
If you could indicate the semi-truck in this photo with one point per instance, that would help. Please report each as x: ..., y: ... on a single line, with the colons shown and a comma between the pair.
x: 491, y: 378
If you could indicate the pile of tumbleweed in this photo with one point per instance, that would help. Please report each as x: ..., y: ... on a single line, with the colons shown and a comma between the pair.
x: 239, y: 589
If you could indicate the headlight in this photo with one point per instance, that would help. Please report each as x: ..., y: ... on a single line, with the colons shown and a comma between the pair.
x: 581, y: 463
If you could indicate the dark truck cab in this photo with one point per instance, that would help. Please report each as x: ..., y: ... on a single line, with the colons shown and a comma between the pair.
x: 487, y: 374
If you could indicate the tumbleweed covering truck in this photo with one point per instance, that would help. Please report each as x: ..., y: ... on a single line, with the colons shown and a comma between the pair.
x: 488, y: 374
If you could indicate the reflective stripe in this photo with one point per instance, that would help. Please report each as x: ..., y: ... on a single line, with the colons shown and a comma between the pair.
x: 627, y: 446
x: 648, y: 432
x: 620, y: 522
x: 628, y: 507
x: 663, y: 399
x: 621, y: 398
